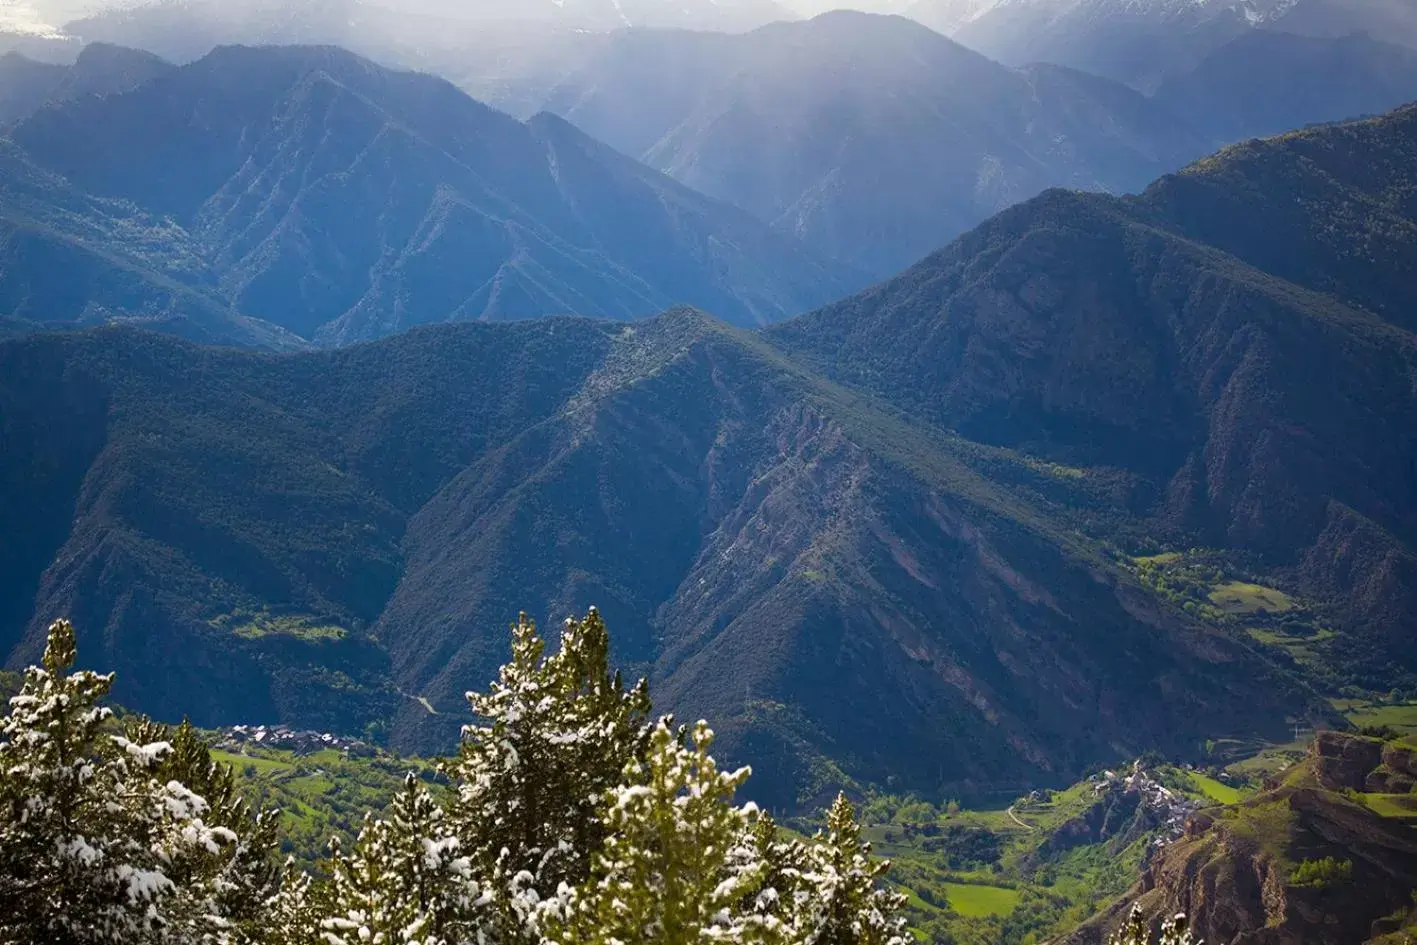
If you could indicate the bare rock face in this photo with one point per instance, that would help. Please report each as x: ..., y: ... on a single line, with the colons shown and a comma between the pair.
x: 1343, y: 761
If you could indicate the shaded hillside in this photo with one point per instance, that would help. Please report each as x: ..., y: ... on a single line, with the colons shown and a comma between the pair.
x: 870, y: 137
x: 339, y: 201
x: 1299, y: 863
x: 1247, y: 412
x: 1266, y: 83
x: 70, y: 259
x: 27, y: 85
x: 319, y: 539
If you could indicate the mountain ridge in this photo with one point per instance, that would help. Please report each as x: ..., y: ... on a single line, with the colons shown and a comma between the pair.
x: 416, y: 606
x: 833, y: 95
x: 332, y: 199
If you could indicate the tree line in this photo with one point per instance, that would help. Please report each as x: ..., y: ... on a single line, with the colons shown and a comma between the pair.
x: 576, y: 819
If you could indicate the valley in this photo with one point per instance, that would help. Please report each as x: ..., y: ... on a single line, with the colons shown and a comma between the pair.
x: 994, y: 419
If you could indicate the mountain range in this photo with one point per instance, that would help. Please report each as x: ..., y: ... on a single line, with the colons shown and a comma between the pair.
x: 872, y: 138
x: 916, y: 532
x: 189, y: 29
x: 1267, y: 82
x: 1145, y: 42
x: 866, y: 140
x: 283, y: 195
x: 876, y: 140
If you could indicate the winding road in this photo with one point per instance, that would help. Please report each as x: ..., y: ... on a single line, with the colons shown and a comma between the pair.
x: 1014, y: 818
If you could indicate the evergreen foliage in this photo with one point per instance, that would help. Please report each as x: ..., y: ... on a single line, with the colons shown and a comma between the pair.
x: 576, y: 822
x: 100, y: 838
x: 1137, y: 931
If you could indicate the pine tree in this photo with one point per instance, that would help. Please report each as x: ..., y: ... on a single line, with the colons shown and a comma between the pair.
x: 236, y: 878
x: 669, y: 873
x: 405, y: 883
x: 294, y: 914
x: 1137, y: 931
x: 97, y: 843
x: 557, y: 733
x: 780, y: 898
x: 847, y: 905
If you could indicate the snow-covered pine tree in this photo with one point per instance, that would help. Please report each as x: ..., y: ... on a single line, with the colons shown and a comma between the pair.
x: 294, y: 914
x: 557, y: 732
x: 847, y: 905
x: 405, y: 882
x: 236, y: 879
x: 96, y: 844
x: 781, y: 895
x: 668, y: 873
x: 1137, y: 931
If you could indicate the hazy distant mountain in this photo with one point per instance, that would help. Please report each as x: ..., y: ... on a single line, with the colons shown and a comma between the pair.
x: 183, y: 30
x: 1139, y: 42
x: 57, y: 50
x: 1267, y: 82
x: 1144, y: 42
x: 27, y: 85
x: 1392, y: 21
x: 870, y: 137
x: 507, y: 55
x: 338, y: 201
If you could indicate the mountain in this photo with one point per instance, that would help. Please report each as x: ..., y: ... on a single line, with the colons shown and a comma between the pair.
x: 1236, y: 343
x: 871, y: 138
x: 336, y: 201
x: 397, y: 33
x: 1394, y: 21
x: 924, y: 531
x: 1145, y: 42
x: 27, y: 85
x: 338, y: 538
x: 1267, y: 82
x: 1103, y: 475
x: 1326, y: 855
x: 1139, y: 42
x: 718, y: 15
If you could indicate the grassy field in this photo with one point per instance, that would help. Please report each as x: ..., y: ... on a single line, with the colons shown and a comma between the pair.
x: 1396, y: 806
x: 969, y: 899
x: 1402, y: 718
x: 1169, y: 557
x: 254, y: 765
x: 1217, y: 791
x: 320, y: 795
x: 253, y: 625
x: 1241, y: 599
x: 1271, y: 761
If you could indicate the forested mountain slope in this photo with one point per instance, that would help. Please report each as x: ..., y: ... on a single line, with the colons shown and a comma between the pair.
x: 336, y: 201
x: 1236, y: 343
x: 933, y: 530
x: 323, y: 538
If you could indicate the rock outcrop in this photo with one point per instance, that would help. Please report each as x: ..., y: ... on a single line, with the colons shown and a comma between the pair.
x: 1233, y: 871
